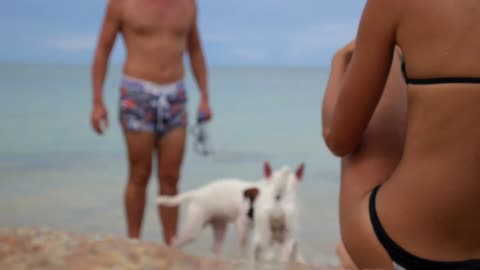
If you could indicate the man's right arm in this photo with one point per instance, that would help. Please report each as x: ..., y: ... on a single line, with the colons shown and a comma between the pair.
x: 108, y: 33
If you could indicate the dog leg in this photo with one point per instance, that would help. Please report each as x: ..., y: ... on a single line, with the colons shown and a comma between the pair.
x: 219, y: 230
x: 242, y: 234
x: 299, y: 258
x: 289, y: 249
x: 193, y: 226
x: 259, y: 249
x: 262, y: 238
x: 291, y: 253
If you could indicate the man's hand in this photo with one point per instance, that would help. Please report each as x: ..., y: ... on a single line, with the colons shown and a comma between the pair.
x: 204, y: 107
x: 99, y: 118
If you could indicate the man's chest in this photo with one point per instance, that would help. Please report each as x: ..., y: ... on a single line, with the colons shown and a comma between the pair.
x: 174, y: 16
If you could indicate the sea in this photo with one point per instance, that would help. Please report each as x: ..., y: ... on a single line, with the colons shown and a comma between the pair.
x: 56, y: 173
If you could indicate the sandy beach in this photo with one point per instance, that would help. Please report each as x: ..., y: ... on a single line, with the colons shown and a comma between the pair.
x: 34, y: 248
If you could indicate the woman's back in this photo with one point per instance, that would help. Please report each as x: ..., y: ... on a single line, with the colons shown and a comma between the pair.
x: 437, y: 184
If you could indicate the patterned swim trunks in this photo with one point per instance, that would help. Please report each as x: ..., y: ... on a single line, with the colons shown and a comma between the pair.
x: 152, y: 107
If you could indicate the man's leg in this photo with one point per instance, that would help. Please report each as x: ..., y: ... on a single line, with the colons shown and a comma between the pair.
x: 170, y: 157
x: 140, y: 146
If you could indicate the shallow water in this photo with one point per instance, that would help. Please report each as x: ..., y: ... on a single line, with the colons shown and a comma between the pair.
x: 55, y: 172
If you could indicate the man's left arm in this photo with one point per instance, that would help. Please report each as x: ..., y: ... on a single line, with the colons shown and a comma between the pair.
x: 199, y: 68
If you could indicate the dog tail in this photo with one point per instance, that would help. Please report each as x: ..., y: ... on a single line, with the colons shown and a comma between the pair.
x: 174, y: 200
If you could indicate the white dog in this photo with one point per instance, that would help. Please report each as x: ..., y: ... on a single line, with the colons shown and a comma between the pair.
x: 217, y: 204
x: 276, y: 217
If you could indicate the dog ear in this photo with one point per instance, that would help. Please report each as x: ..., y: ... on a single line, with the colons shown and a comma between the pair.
x: 267, y: 170
x: 299, y: 171
x: 251, y: 193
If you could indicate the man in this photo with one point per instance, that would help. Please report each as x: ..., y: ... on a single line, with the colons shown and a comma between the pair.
x: 153, y: 116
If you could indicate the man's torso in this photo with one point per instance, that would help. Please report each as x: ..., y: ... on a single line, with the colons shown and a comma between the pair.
x: 156, y: 35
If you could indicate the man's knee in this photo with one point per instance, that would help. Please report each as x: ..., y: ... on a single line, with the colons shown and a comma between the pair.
x: 139, y: 175
x: 168, y: 182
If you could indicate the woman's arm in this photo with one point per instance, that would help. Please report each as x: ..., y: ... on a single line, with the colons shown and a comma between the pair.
x: 365, y: 78
x: 338, y: 68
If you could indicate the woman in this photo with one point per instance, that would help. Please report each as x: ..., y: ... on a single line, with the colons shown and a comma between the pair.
x: 425, y: 215
x: 381, y: 147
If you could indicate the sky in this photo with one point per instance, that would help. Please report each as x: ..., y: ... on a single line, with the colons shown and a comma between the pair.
x: 233, y: 32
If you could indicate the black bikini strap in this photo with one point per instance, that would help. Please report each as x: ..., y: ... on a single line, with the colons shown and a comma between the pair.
x: 402, y: 257
x: 437, y: 80
x: 444, y: 80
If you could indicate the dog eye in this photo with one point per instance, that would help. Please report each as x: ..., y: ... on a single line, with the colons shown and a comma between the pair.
x: 278, y: 197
